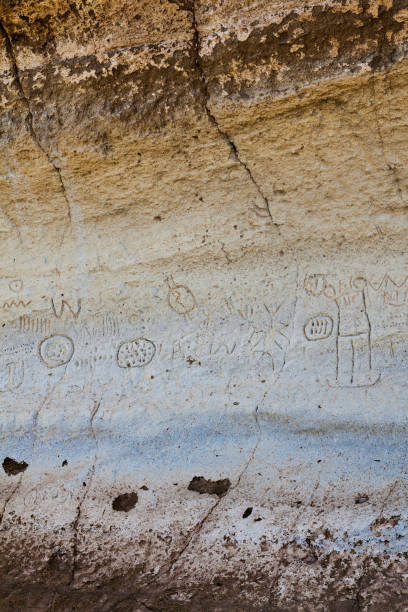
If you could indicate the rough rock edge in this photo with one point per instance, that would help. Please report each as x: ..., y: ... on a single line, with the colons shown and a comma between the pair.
x: 29, y: 120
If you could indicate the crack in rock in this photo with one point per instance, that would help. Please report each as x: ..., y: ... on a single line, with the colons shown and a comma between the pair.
x: 199, y: 526
x: 76, y: 525
x: 9, y: 498
x: 388, y: 165
x: 263, y: 212
x: 29, y: 118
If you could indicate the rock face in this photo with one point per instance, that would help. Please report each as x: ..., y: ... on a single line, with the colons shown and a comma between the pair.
x: 204, y: 305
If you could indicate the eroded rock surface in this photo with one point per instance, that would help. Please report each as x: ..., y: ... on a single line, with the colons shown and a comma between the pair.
x: 204, y: 305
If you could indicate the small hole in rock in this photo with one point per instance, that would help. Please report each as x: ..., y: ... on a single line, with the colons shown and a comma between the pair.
x: 247, y: 513
x: 144, y: 488
x: 64, y: 463
x: 125, y: 502
x: 13, y: 467
x: 257, y: 519
x: 211, y: 487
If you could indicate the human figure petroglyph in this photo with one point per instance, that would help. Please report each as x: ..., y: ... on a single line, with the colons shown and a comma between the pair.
x: 353, y: 333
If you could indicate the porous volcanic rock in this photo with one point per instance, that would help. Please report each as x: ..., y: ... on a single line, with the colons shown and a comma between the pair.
x: 204, y: 305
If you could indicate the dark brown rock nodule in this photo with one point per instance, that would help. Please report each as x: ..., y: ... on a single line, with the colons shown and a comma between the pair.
x: 13, y: 467
x: 125, y: 502
x: 211, y: 487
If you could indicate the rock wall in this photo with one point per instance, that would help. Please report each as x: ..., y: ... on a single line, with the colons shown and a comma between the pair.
x: 204, y: 305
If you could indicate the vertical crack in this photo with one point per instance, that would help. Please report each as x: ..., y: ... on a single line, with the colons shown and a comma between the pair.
x: 199, y: 526
x: 76, y: 525
x: 87, y: 487
x: 261, y: 211
x: 388, y: 165
x: 29, y: 118
x: 13, y: 492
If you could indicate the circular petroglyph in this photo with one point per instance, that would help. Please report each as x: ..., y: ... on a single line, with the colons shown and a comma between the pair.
x: 180, y: 298
x: 56, y: 350
x: 16, y: 285
x: 136, y: 353
x: 315, y: 284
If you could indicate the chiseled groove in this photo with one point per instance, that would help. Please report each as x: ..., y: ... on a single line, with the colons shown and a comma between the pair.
x: 29, y: 117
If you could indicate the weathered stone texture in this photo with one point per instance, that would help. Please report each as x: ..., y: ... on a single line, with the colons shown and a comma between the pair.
x: 204, y: 305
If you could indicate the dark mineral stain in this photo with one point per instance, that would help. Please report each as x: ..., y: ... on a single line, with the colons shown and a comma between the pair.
x: 185, y: 5
x: 211, y: 487
x: 247, y: 513
x: 304, y: 46
x: 125, y: 502
x: 13, y: 467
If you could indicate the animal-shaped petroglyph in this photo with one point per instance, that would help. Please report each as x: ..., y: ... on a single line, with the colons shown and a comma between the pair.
x: 180, y: 298
x: 56, y: 350
x: 136, y: 353
x: 353, y: 337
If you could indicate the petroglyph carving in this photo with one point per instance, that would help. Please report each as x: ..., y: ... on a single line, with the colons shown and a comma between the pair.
x: 8, y: 304
x: 353, y: 338
x: 110, y: 325
x: 16, y: 285
x: 15, y: 374
x: 64, y: 303
x: 136, y: 353
x: 315, y: 284
x: 56, y: 350
x: 34, y: 324
x: 318, y: 328
x: 25, y: 348
x: 395, y: 294
x: 180, y: 298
